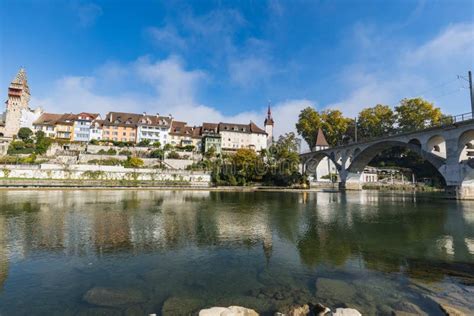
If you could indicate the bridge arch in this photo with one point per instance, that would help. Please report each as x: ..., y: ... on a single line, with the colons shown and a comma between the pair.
x: 363, y: 159
x: 311, y: 163
x: 466, y: 145
x: 415, y: 141
x: 436, y: 144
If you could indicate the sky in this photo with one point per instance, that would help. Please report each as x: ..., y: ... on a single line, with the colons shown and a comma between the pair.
x: 225, y: 61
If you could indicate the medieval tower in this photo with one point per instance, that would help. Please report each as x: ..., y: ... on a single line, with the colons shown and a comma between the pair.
x: 269, y: 127
x: 17, y: 103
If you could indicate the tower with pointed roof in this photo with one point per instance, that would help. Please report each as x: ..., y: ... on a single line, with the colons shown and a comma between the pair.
x: 321, y: 142
x: 17, y: 103
x: 269, y: 123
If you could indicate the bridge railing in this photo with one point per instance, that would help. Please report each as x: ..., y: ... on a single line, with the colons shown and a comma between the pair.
x: 445, y: 121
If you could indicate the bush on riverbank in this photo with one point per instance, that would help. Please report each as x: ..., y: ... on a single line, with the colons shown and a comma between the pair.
x: 277, y: 166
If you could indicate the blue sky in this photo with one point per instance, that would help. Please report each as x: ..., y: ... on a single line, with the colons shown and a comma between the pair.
x: 224, y: 60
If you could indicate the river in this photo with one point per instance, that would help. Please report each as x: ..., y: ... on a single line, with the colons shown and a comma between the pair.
x: 135, y: 252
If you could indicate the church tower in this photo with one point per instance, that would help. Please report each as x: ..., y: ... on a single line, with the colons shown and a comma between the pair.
x: 17, y: 103
x: 269, y: 127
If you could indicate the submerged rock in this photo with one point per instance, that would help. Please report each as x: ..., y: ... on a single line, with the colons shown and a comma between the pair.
x: 180, y: 306
x: 346, y: 312
x: 112, y: 297
x: 304, y: 310
x: 335, y: 290
x: 404, y: 308
x: 228, y: 311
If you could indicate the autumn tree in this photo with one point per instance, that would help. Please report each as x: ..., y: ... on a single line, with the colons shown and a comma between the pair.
x: 332, y: 122
x: 414, y: 114
x: 376, y: 121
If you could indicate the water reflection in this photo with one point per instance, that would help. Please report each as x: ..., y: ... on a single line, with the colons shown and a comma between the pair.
x: 303, y: 231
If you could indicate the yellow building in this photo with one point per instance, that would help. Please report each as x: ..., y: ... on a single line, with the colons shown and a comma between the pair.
x: 121, y: 127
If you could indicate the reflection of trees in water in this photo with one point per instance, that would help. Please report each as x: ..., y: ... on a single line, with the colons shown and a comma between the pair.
x: 325, y: 227
x: 4, y: 260
x: 386, y: 236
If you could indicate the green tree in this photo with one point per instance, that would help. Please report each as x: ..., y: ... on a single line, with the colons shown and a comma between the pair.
x: 332, y: 122
x: 25, y: 134
x: 211, y: 152
x: 283, y: 162
x: 414, y: 114
x: 42, y: 143
x: 376, y: 121
x: 334, y: 126
x: 167, y: 147
x: 157, y: 144
x: 309, y: 121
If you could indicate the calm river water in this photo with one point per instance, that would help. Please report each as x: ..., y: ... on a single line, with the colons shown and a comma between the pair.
x: 131, y: 252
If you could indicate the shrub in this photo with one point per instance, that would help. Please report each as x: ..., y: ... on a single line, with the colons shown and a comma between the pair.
x: 110, y: 151
x: 106, y: 162
x: 157, y: 153
x: 25, y: 134
x: 125, y: 152
x: 173, y: 155
x: 144, y: 143
x: 133, y: 162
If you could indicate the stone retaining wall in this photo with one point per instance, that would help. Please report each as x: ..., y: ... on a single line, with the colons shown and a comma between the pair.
x: 102, y: 173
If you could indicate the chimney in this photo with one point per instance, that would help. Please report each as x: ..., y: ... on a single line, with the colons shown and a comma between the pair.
x: 110, y: 117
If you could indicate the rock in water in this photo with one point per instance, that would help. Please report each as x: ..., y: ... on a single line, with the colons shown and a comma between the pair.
x: 228, y: 311
x: 102, y: 296
x: 335, y: 290
x: 346, y: 312
x: 180, y: 306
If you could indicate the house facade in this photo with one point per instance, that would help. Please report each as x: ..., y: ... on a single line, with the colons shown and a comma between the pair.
x: 236, y: 136
x: 154, y: 128
x: 82, y: 126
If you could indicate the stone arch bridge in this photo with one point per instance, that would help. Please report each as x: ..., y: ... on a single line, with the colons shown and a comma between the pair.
x: 449, y: 148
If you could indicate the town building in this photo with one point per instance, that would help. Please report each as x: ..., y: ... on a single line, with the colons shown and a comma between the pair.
x: 47, y: 124
x: 95, y: 132
x: 154, y: 128
x: 210, y: 138
x: 268, y: 125
x: 182, y: 135
x: 119, y: 126
x: 82, y: 126
x: 236, y: 136
x: 64, y: 127
x: 18, y: 113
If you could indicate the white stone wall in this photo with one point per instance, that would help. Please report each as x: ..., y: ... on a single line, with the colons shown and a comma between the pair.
x: 83, y: 172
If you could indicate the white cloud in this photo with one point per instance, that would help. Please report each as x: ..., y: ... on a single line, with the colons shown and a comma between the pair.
x: 167, y: 36
x: 173, y: 84
x: 409, y: 70
x: 456, y: 41
x: 249, y: 71
x: 173, y: 92
x: 88, y: 14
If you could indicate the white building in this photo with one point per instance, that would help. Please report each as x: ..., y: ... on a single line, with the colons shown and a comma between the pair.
x: 82, y: 126
x: 236, y: 136
x: 95, y: 131
x: 154, y: 128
